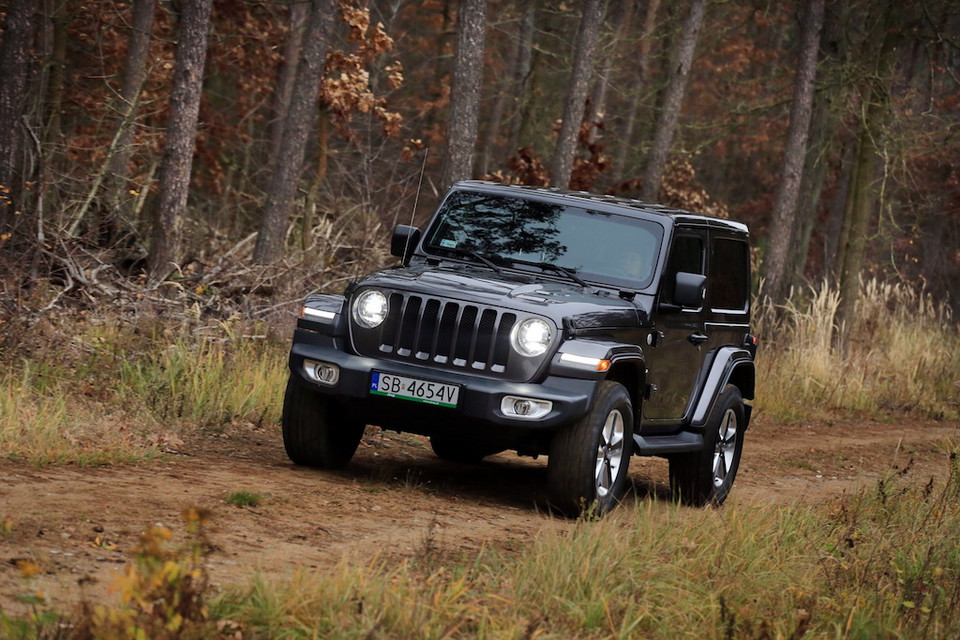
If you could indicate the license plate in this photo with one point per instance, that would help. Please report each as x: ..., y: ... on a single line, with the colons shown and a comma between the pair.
x: 394, y: 386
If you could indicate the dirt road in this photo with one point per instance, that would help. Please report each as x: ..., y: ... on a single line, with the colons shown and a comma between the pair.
x: 78, y: 525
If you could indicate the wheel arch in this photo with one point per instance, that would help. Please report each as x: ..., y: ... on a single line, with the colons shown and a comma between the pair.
x: 730, y: 365
x: 631, y: 373
x: 584, y: 358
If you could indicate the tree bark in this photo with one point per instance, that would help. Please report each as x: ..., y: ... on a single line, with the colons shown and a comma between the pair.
x: 776, y: 271
x: 286, y: 77
x: 134, y: 75
x: 672, y: 102
x: 562, y: 164
x: 181, y: 137
x: 521, y: 78
x: 639, y: 83
x: 465, y: 91
x: 608, y: 60
x: 296, y: 132
x: 505, y: 88
x: 15, y: 67
x: 875, y: 109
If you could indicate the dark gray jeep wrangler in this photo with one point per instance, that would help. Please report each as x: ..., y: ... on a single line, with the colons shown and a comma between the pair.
x: 587, y: 328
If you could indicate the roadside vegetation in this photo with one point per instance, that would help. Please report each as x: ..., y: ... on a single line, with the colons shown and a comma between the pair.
x: 90, y: 389
x: 880, y: 563
x: 85, y: 389
x: 901, y: 355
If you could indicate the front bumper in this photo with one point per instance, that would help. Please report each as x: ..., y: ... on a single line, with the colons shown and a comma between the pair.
x: 479, y: 402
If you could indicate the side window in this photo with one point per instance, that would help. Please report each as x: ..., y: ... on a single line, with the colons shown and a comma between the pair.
x: 685, y: 255
x: 729, y: 275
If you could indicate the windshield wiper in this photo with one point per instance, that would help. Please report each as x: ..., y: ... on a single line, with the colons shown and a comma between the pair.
x: 553, y: 267
x: 476, y: 256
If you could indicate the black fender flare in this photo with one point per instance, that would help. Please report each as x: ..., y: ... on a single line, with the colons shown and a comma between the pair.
x: 730, y: 365
x: 604, y: 360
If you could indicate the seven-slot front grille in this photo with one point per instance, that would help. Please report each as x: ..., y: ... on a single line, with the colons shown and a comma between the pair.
x: 447, y: 333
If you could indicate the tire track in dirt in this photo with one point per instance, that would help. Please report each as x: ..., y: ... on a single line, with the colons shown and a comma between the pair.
x: 394, y: 501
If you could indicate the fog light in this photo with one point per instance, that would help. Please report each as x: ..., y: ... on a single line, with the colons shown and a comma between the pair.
x: 322, y: 372
x: 525, y: 408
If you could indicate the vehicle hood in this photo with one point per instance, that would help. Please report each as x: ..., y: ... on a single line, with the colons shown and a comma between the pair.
x: 581, y: 307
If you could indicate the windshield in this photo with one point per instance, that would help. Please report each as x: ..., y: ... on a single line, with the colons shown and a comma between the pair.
x: 597, y: 246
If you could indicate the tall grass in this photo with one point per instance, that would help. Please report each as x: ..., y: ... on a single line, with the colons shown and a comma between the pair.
x: 880, y: 563
x: 106, y: 394
x: 43, y: 422
x: 901, y: 354
x: 209, y: 382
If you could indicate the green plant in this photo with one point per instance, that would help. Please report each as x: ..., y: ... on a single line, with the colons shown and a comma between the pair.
x: 245, y: 498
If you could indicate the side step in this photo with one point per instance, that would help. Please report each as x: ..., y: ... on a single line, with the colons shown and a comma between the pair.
x: 683, y: 442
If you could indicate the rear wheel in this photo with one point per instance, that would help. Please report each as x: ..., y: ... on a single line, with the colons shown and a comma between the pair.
x: 314, y: 434
x: 588, y: 461
x: 707, y: 476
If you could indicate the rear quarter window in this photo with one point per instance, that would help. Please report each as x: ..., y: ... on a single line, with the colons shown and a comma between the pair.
x: 729, y: 286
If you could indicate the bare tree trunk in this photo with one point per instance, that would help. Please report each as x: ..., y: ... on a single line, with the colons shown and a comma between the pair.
x: 465, y: 91
x: 57, y: 65
x: 15, y: 69
x: 286, y: 77
x: 823, y: 126
x: 609, y: 57
x: 296, y: 132
x: 860, y: 197
x: 181, y: 137
x: 562, y: 164
x: 134, y: 75
x: 640, y: 81
x: 521, y: 78
x: 672, y: 101
x: 775, y: 268
x: 505, y: 88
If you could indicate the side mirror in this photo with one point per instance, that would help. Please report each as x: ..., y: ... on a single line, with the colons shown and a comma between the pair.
x: 404, y: 241
x: 691, y: 290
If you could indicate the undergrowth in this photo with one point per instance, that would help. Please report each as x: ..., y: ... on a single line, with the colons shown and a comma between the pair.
x: 901, y: 356
x: 880, y: 563
x: 107, y: 390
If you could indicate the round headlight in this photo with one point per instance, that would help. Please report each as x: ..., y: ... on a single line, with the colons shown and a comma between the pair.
x: 531, y: 337
x: 370, y: 308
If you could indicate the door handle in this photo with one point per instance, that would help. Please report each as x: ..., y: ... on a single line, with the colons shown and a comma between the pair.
x: 697, y: 338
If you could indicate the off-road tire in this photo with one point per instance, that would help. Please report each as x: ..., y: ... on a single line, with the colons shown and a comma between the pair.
x: 588, y: 461
x: 706, y: 477
x: 313, y: 434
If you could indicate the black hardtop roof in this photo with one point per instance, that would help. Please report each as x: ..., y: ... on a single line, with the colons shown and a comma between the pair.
x: 600, y: 203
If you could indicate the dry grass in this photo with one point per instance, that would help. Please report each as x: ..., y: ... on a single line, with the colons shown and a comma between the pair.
x: 903, y: 355
x: 882, y: 563
x: 104, y: 391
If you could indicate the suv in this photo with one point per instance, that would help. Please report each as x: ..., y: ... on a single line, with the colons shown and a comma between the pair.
x: 587, y: 328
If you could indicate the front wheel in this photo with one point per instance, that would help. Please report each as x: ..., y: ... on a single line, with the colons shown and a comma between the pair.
x: 588, y: 461
x: 707, y: 475
x: 313, y: 434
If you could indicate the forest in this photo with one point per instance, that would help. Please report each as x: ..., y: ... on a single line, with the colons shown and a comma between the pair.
x: 176, y: 175
x: 280, y: 141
